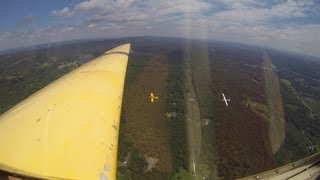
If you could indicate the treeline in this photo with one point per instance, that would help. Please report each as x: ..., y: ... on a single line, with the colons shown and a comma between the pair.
x: 175, y: 103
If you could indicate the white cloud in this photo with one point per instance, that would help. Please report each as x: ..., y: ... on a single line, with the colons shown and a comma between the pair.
x: 92, y: 25
x: 247, y: 11
x: 90, y: 5
x: 133, y: 8
x: 67, y: 29
x: 65, y: 12
x: 302, y: 39
x: 240, y: 4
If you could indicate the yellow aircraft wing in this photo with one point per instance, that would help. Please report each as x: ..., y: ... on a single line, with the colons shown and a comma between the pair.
x: 69, y: 129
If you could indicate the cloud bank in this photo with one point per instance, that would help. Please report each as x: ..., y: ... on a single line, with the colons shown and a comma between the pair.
x: 285, y: 24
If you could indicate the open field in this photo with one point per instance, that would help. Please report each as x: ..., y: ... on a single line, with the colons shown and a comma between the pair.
x: 199, y: 85
x: 297, y: 141
x: 193, y: 122
x: 258, y: 108
x: 275, y: 106
x: 299, y: 87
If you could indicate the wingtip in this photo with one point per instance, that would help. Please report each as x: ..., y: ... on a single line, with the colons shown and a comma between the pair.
x: 124, y: 48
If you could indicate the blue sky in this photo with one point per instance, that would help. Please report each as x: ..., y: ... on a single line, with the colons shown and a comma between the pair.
x: 292, y: 25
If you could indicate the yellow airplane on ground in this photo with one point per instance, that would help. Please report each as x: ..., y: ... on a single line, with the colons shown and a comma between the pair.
x: 152, y: 97
x: 69, y: 129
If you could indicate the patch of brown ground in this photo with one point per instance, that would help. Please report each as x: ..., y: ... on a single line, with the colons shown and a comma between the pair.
x: 146, y: 125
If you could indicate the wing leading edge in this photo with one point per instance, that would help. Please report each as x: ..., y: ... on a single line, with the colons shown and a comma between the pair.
x: 69, y: 129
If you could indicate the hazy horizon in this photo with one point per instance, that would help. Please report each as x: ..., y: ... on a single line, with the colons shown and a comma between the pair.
x: 291, y: 25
